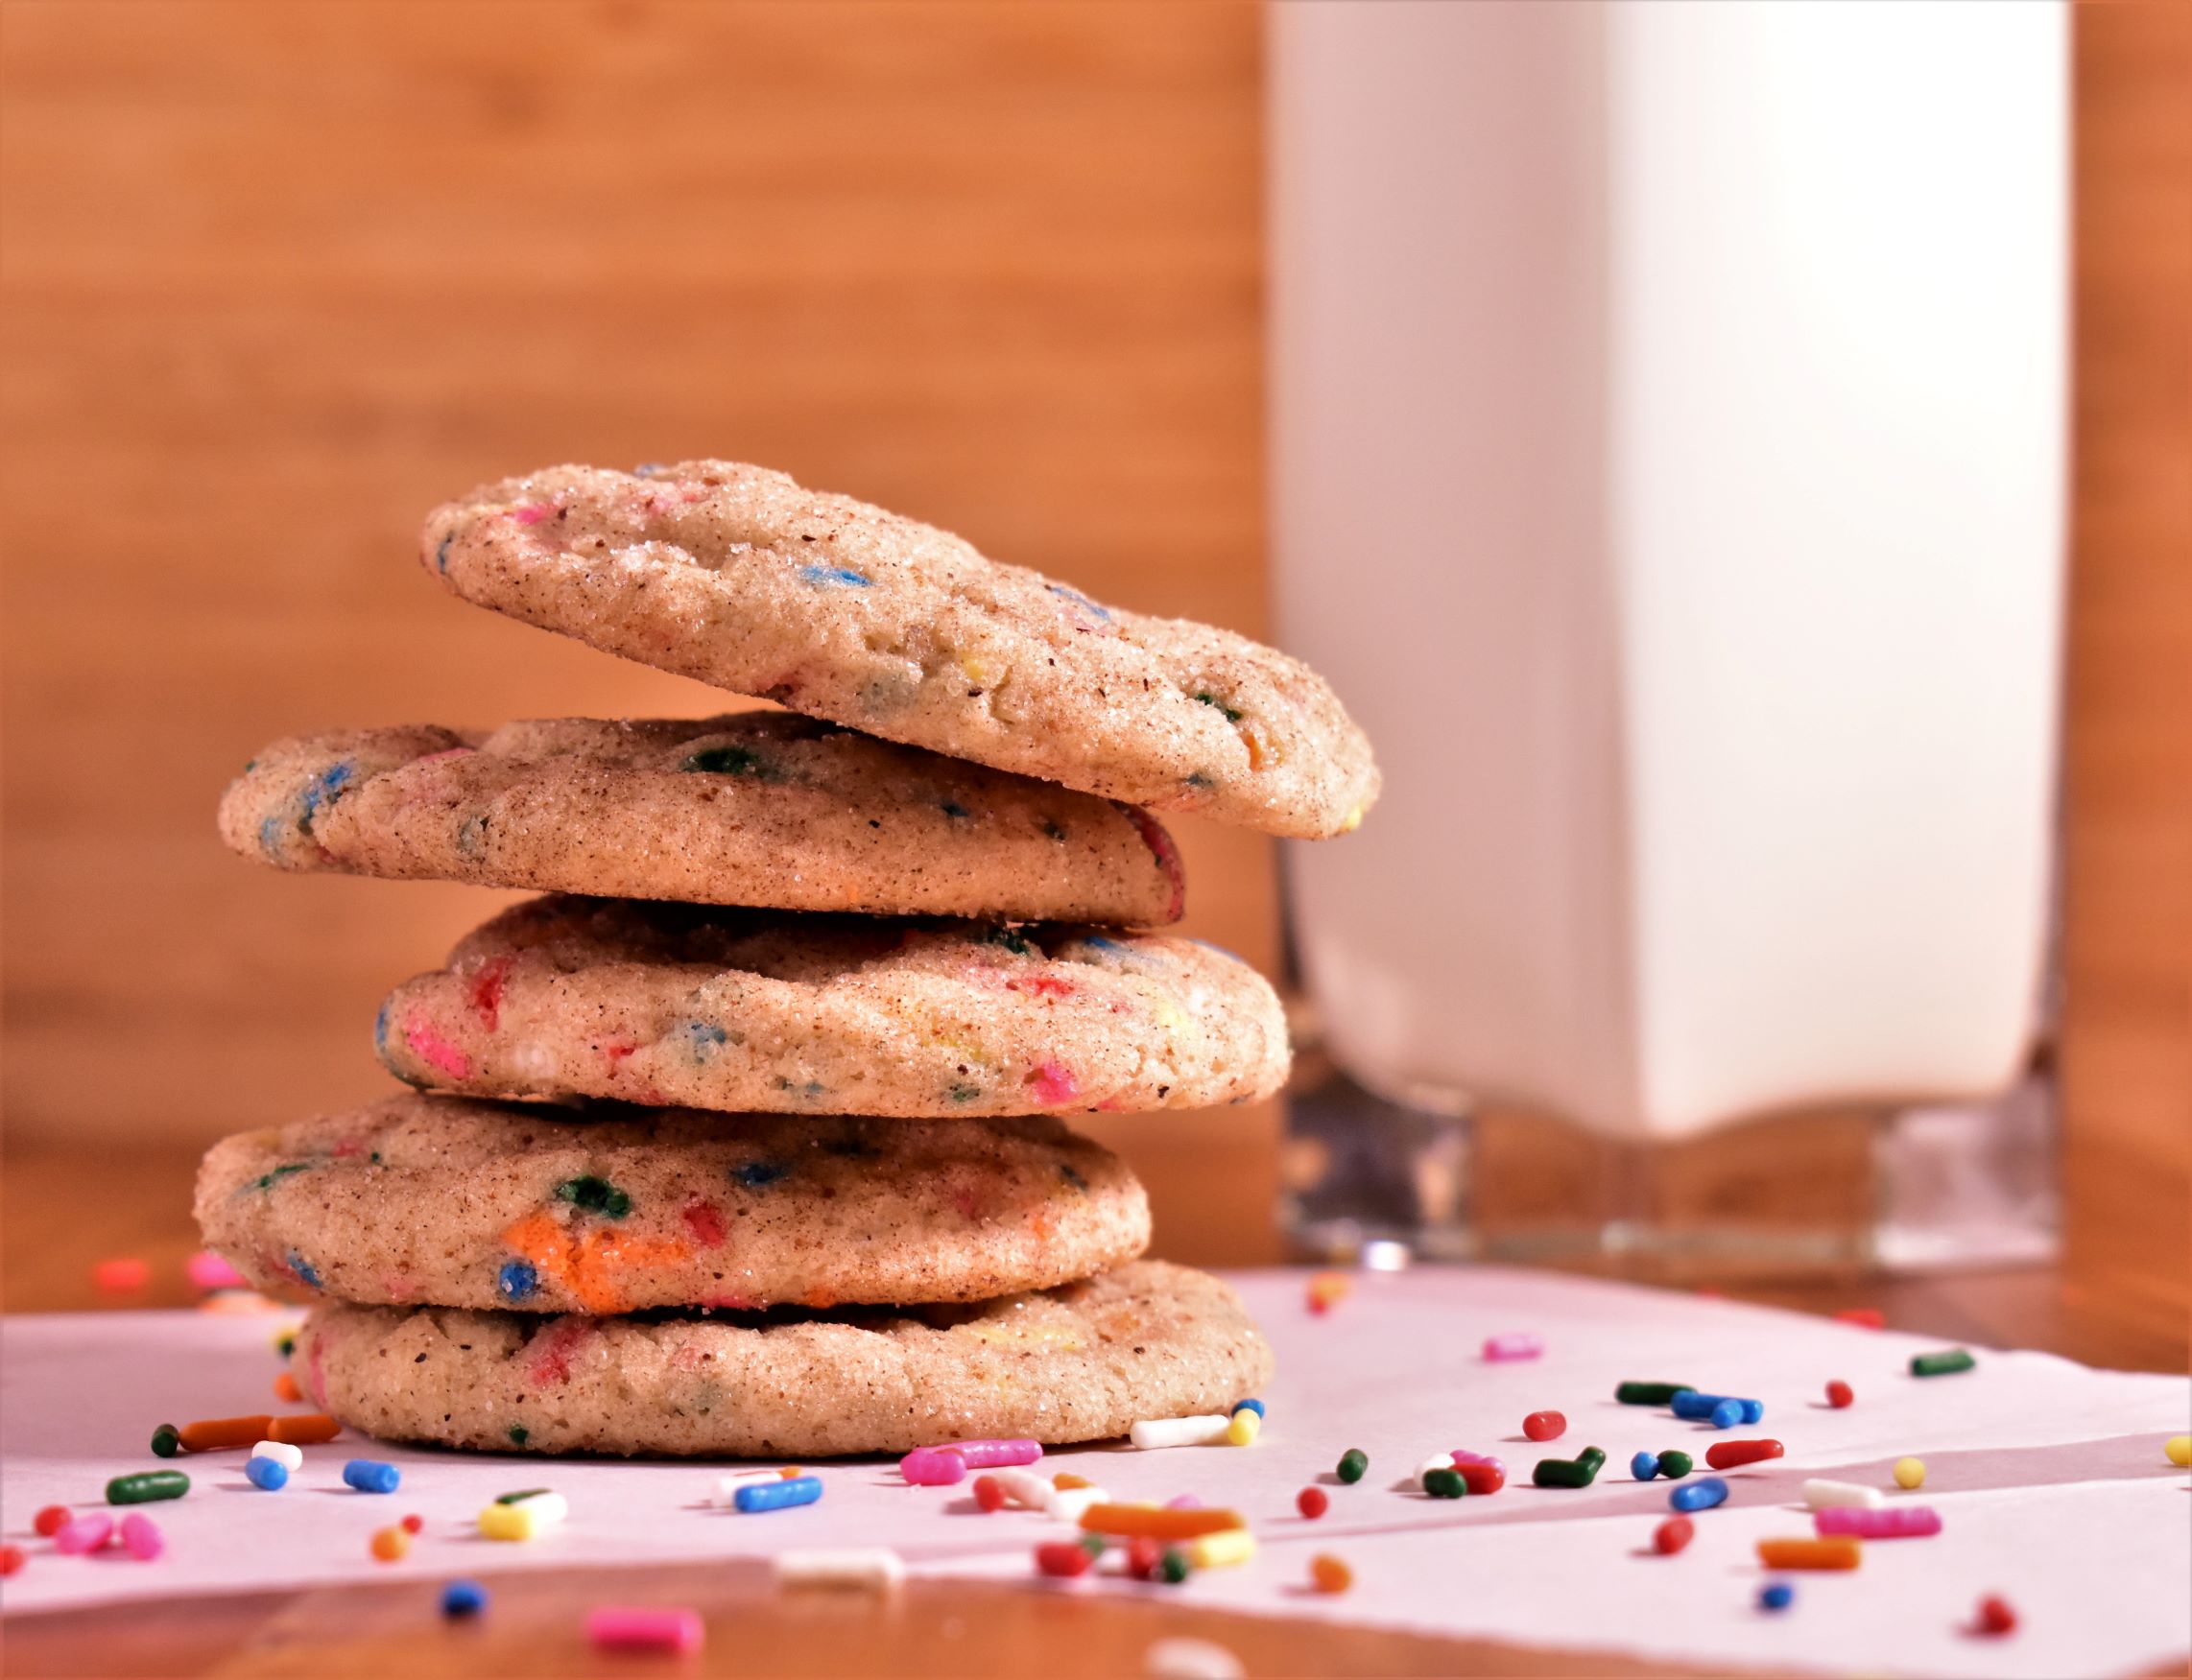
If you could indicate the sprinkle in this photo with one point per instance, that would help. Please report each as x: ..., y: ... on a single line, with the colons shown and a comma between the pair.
x: 1722, y: 1412
x: 1213, y: 1430
x: 1838, y: 1552
x: 304, y: 1428
x: 1445, y: 1484
x: 1071, y: 1504
x: 85, y: 1534
x: 1895, y: 1522
x: 1312, y: 1501
x: 501, y: 1522
x: 11, y: 1559
x: 1675, y: 1464
x: 1672, y: 1536
x: 546, y: 1506
x: 1545, y: 1425
x: 1354, y: 1462
x: 1326, y: 1289
x: 870, y: 1569
x: 1944, y: 1363
x: 1729, y: 1454
x: 1863, y: 1317
x: 389, y: 1545
x: 1159, y: 1523
x: 167, y: 1441
x: 1700, y: 1495
x: 1777, y: 1595
x: 1245, y: 1426
x: 616, y: 1627
x: 141, y: 1537
x: 779, y: 1496
x: 1330, y: 1575
x: 372, y: 1476
x: 122, y: 1274
x: 145, y: 1486
x: 835, y: 575
x: 1644, y: 1466
x: 1014, y: 1487
x: 1650, y: 1393
x: 1255, y: 1406
x: 1910, y: 1472
x: 981, y: 1455
x: 1063, y: 1558
x: 1066, y: 1480
x: 271, y: 1474
x: 1480, y: 1474
x: 2177, y: 1450
x: 412, y: 1524
x: 1994, y: 1616
x: 285, y: 1388
x: 1519, y: 1344
x: 1839, y: 1394
x: 51, y: 1521
x: 1581, y: 1471
x: 590, y: 1195
x: 726, y: 1487
x: 1462, y: 1460
x: 210, y: 1433
x: 1172, y: 1568
x: 1180, y: 1658
x: 516, y: 1281
x: 932, y: 1467
x: 462, y: 1599
x: 1222, y: 1549
x: 1823, y: 1495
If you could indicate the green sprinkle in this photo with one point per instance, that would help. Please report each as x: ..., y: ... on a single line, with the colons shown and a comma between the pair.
x: 518, y: 1434
x: 266, y: 1179
x: 1210, y: 699
x: 1011, y: 941
x: 1649, y: 1393
x: 285, y: 1343
x: 1355, y: 1463
x: 733, y: 760
x: 1581, y: 1471
x: 962, y: 1092
x: 524, y: 1493
x: 1674, y: 1466
x: 1093, y: 1544
x: 1445, y: 1484
x: 1943, y: 1364
x: 167, y: 1441
x: 1172, y: 1567
x: 594, y: 1195
x: 145, y: 1486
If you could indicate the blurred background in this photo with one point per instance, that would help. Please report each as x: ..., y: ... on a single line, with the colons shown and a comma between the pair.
x: 276, y: 279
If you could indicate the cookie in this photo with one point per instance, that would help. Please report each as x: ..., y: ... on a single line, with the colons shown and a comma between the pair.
x: 790, y: 1013
x: 738, y: 577
x: 1083, y: 1362
x: 754, y: 808
x: 612, y: 1209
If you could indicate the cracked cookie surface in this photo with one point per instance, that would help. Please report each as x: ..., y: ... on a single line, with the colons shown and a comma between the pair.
x: 739, y: 577
x: 1083, y: 1362
x: 609, y: 1209
x: 762, y: 1010
x: 756, y: 807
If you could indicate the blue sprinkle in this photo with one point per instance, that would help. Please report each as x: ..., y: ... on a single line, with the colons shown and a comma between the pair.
x: 442, y: 552
x: 646, y: 470
x: 954, y: 808
x: 1079, y: 600
x: 463, y: 1598
x: 1255, y: 1406
x: 269, y: 838
x: 372, y: 1476
x: 269, y: 1474
x: 1097, y: 942
x: 755, y: 1174
x: 1777, y: 1595
x: 322, y: 790
x: 1200, y: 780
x: 706, y: 1038
x: 1219, y: 949
x: 775, y: 1496
x: 1644, y: 1466
x: 517, y: 1281
x: 1727, y: 1414
x: 380, y: 1033
x: 1700, y: 1495
x: 825, y: 576
x: 305, y: 1274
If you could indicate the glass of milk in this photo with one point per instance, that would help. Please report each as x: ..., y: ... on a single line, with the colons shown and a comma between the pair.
x: 1667, y: 457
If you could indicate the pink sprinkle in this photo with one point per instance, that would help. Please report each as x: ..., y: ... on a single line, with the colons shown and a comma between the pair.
x: 1883, y: 1523
x: 531, y: 512
x: 486, y: 989
x: 1461, y: 1458
x: 940, y: 1466
x: 142, y: 1536
x: 616, y: 1627
x: 702, y: 1221
x: 1053, y: 1083
x: 552, y: 1351
x: 932, y: 1467
x: 434, y: 1049
x: 82, y: 1534
x: 207, y: 1270
x: 1517, y: 1344
x: 1185, y: 1501
x: 1159, y: 843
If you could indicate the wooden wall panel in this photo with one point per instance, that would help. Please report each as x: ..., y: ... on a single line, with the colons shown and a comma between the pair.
x: 275, y: 278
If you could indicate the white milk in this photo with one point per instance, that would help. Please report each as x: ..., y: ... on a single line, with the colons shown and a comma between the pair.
x: 1668, y: 472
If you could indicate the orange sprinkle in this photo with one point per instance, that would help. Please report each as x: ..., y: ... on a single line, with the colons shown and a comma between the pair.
x: 304, y: 1428
x: 286, y: 1389
x: 1066, y: 1479
x: 1330, y: 1575
x: 210, y: 1433
x: 1841, y: 1551
x: 391, y: 1544
x: 122, y: 1274
x: 790, y: 1473
x: 1159, y: 1522
x: 588, y: 1267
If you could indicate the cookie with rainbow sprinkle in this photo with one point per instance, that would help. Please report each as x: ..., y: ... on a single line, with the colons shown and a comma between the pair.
x: 781, y: 1013
x: 738, y: 577
x: 1083, y: 1362
x: 605, y: 1209
x: 758, y: 808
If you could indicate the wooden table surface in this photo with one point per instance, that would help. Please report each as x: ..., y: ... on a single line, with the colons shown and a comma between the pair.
x: 54, y: 1231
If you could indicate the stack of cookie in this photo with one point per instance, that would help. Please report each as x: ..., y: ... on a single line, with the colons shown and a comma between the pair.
x: 744, y: 1139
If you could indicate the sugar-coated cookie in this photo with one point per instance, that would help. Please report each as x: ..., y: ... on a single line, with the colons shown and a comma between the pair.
x: 756, y: 808
x: 741, y: 577
x: 783, y: 1012
x: 451, y: 1202
x: 1079, y: 1364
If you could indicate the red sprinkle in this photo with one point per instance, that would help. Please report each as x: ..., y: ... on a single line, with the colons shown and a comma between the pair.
x: 1727, y: 1454
x: 1314, y: 1502
x: 703, y: 1221
x: 1839, y: 1394
x: 10, y: 1559
x: 1481, y: 1477
x: 1996, y: 1616
x: 120, y: 1275
x: 1863, y: 1318
x: 1064, y: 1557
x: 413, y: 1524
x: 1672, y: 1536
x: 989, y: 1493
x: 51, y: 1521
x: 1544, y: 1426
x: 1143, y: 1555
x: 488, y: 987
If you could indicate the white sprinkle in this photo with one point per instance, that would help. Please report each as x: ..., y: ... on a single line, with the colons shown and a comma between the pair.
x: 1191, y: 1659
x: 289, y: 1457
x: 1181, y: 1431
x: 1070, y: 1503
x: 1436, y: 1461
x: 1824, y: 1496
x: 546, y: 1508
x: 876, y: 1569
x: 1023, y: 1488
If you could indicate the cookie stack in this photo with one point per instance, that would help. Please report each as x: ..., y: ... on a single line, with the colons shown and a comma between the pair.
x: 744, y: 1140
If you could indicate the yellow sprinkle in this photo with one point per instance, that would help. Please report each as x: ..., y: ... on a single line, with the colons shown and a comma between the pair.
x: 501, y: 1522
x: 1354, y: 820
x: 2180, y: 1449
x: 1909, y: 1472
x: 1246, y: 1426
x: 1227, y: 1546
x: 1065, y: 1481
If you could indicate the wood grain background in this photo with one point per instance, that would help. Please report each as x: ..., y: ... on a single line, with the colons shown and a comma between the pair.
x: 277, y: 277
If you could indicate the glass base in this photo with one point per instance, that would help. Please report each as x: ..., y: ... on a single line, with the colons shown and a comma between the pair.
x: 1368, y: 1179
